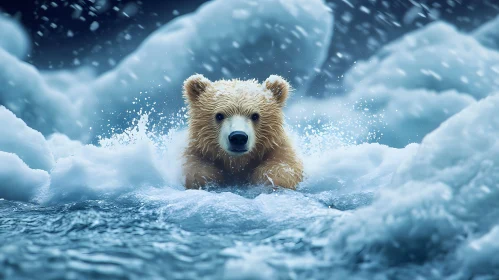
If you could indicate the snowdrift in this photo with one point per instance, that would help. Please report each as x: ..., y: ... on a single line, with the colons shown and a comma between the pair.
x: 412, y: 85
x: 487, y: 34
x: 28, y: 144
x: 441, y: 207
x: 436, y: 57
x: 18, y: 181
x: 13, y: 38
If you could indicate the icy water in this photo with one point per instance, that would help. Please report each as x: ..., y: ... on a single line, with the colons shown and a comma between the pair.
x: 135, y: 236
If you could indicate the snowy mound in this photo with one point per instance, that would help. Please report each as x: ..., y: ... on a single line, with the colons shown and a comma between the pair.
x: 352, y: 168
x: 18, y: 181
x: 445, y: 192
x: 25, y: 158
x: 30, y: 145
x: 468, y: 167
x: 13, y: 38
x: 437, y: 58
x: 394, y: 117
x: 488, y: 34
x: 410, y: 86
x: 25, y: 92
x: 66, y: 81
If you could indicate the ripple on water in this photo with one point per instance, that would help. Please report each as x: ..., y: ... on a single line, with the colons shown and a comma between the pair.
x: 163, y: 233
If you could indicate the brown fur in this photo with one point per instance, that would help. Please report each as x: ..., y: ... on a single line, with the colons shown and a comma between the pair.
x: 272, y: 161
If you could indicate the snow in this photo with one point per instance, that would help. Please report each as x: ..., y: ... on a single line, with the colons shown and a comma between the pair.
x: 445, y: 191
x: 273, y: 79
x: 47, y: 109
x: 17, y: 180
x: 25, y: 158
x: 352, y: 168
x: 411, y: 86
x: 67, y: 81
x: 488, y: 35
x: 449, y: 54
x: 120, y: 164
x: 479, y: 255
x: 468, y: 166
x: 94, y: 26
x: 26, y: 143
x: 402, y: 116
x: 92, y: 171
x: 250, y: 87
x: 13, y: 38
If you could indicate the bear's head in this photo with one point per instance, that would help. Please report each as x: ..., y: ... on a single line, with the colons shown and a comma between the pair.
x: 232, y: 119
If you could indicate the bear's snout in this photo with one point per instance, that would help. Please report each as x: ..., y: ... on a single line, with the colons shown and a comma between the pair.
x: 238, y: 140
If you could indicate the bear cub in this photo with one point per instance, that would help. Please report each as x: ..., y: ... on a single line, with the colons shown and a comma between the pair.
x: 236, y: 134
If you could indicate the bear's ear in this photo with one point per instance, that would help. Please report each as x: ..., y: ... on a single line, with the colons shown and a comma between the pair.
x: 194, y: 86
x: 279, y: 88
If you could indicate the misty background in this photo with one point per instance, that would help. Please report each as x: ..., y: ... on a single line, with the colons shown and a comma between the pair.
x: 100, y: 33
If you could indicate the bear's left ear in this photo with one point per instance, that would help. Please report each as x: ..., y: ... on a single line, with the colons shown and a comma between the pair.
x: 194, y: 86
x: 279, y: 87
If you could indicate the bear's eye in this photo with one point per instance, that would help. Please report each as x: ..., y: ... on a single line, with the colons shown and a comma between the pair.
x: 220, y: 117
x: 255, y: 117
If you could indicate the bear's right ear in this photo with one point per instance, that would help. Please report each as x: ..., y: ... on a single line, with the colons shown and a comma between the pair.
x: 194, y: 86
x: 279, y: 87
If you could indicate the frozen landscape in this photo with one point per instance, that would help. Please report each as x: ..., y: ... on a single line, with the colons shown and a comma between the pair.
x: 401, y: 172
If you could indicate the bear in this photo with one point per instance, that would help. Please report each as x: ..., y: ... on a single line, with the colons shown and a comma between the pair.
x: 236, y: 134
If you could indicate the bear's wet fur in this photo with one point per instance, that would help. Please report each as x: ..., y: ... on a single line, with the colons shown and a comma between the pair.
x: 214, y: 109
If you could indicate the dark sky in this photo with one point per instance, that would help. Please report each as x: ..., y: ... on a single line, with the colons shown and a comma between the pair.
x: 61, y: 29
x: 63, y: 36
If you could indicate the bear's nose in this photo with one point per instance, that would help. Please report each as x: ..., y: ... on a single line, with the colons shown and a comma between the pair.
x: 238, y: 138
